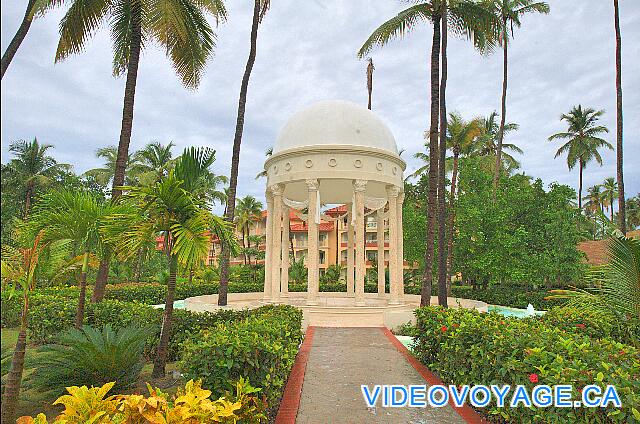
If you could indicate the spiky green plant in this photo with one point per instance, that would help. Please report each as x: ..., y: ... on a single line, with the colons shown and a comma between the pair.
x: 615, y: 286
x: 90, y: 356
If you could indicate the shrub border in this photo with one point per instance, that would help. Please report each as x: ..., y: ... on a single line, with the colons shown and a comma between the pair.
x: 290, y: 402
x: 466, y: 412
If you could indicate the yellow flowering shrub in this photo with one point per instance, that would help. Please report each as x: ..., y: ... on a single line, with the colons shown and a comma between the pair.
x: 190, y: 405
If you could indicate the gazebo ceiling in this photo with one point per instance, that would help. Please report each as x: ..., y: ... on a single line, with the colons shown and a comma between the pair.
x: 335, y: 122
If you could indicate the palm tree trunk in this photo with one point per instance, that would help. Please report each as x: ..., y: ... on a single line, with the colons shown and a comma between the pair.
x: 503, y: 113
x: 611, y: 206
x: 160, y: 360
x: 101, y: 279
x: 15, y: 43
x: 125, y: 138
x: 442, y: 206
x: 129, y: 98
x: 454, y: 178
x: 14, y: 378
x: 83, y: 291
x: 622, y: 216
x: 139, y: 264
x: 235, y: 159
x: 581, y: 165
x: 27, y: 200
x: 427, y: 276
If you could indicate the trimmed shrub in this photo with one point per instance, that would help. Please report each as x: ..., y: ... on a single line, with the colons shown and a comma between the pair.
x: 468, y: 347
x: 49, y: 316
x: 593, y: 324
x: 263, y: 346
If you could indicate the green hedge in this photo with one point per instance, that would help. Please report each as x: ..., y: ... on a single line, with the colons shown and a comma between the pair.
x: 467, y: 347
x: 587, y: 322
x: 50, y: 315
x: 262, y: 347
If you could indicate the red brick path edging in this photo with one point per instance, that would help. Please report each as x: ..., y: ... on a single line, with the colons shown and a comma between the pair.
x: 466, y: 412
x: 291, y: 398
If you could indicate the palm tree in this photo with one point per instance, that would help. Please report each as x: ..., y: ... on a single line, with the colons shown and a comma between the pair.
x: 633, y: 212
x: 176, y: 208
x: 460, y: 138
x: 33, y: 167
x: 583, y: 141
x: 20, y: 270
x: 34, y: 9
x: 260, y: 8
x: 487, y: 144
x: 104, y: 174
x: 179, y: 27
x: 509, y: 13
x: 619, y: 168
x: 154, y: 161
x: 76, y: 216
x: 595, y: 201
x: 610, y: 192
x: 370, y: 69
x: 470, y: 19
x: 249, y: 211
x: 616, y: 291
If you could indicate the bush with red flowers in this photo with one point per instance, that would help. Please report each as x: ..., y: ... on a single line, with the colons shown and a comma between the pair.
x: 487, y: 348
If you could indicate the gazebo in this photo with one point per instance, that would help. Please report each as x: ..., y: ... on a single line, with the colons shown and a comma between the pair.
x: 335, y: 152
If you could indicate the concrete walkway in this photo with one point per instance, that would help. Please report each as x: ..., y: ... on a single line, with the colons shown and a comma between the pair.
x: 339, y: 361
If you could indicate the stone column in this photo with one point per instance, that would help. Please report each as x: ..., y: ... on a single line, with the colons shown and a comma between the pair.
x: 400, y: 249
x: 313, y: 272
x: 359, y: 186
x: 284, y: 278
x: 392, y: 193
x: 267, y: 246
x: 276, y: 242
x: 350, y: 245
x: 380, y: 238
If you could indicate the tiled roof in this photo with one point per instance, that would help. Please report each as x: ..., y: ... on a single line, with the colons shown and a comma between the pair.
x: 596, y: 250
x: 338, y: 210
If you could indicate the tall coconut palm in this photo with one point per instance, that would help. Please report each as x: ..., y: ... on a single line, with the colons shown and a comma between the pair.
x: 175, y: 208
x: 104, y: 174
x: 509, y: 13
x: 260, y: 8
x: 470, y: 19
x: 583, y: 141
x: 153, y: 161
x: 633, y: 212
x: 249, y: 210
x: 20, y: 270
x: 595, y: 201
x: 610, y: 192
x: 34, y: 9
x: 460, y: 139
x: 622, y: 222
x: 33, y: 167
x: 487, y: 144
x: 370, y: 69
x: 180, y: 27
x: 76, y: 216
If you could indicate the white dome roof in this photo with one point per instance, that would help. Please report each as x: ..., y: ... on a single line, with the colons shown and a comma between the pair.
x: 335, y: 122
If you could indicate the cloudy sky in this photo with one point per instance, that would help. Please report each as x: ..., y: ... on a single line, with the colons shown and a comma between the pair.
x: 306, y: 53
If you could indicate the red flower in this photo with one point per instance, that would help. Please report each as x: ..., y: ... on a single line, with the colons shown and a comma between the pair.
x: 502, y: 322
x: 580, y: 325
x: 622, y: 352
x: 533, y: 378
x: 444, y: 328
x: 455, y: 325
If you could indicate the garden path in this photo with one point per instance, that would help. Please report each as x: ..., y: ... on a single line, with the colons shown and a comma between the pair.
x: 339, y: 361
